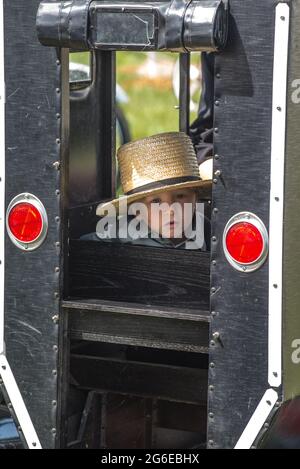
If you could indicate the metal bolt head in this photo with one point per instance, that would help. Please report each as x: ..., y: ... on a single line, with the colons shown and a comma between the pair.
x: 55, y: 319
x: 216, y: 335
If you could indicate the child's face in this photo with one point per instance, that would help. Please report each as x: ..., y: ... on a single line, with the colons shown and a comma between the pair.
x: 168, y: 222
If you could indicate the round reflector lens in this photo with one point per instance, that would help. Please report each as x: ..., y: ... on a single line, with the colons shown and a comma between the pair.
x: 244, y: 243
x: 25, y: 222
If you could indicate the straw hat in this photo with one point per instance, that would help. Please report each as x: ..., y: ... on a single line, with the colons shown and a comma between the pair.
x: 160, y: 163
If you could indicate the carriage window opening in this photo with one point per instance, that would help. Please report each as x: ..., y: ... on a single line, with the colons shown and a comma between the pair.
x: 80, y: 70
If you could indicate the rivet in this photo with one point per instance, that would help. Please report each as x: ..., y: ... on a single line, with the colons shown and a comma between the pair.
x: 53, y: 431
x: 57, y: 192
x: 214, y: 262
x: 212, y: 343
x: 217, y: 103
x: 55, y: 318
x: 57, y: 90
x: 57, y: 269
x: 9, y: 405
x: 266, y: 425
x: 54, y: 403
x: 211, y: 388
x: 3, y: 367
x: 58, y: 62
x: 269, y: 403
x: 215, y: 181
x: 213, y: 290
x: 34, y: 444
x: 212, y: 365
x: 55, y: 348
x: 57, y: 244
x: 56, y: 294
x: 282, y: 18
x: 275, y: 285
x: 54, y: 372
x: 216, y: 130
x: 214, y: 239
x: 211, y: 443
x: 58, y: 141
x: 275, y: 374
x: 57, y: 115
x: 277, y: 199
x: 57, y: 219
x: 279, y: 108
x: 215, y: 210
x: 218, y: 173
x: 216, y: 335
x: 217, y: 157
x: 211, y: 415
x: 218, y: 75
x: 56, y: 165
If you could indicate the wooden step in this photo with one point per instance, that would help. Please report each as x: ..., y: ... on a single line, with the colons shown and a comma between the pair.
x: 138, y: 325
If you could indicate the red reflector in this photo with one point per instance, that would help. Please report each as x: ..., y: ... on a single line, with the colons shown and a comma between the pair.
x: 25, y: 222
x: 244, y: 243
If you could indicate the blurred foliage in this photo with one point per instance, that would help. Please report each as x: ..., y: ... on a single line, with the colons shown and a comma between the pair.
x: 152, y: 103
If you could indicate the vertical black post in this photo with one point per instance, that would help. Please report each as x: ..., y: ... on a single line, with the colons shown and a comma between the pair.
x: 184, y: 93
x: 106, y: 83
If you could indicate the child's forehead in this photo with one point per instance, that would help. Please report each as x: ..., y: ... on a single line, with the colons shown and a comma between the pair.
x: 173, y: 192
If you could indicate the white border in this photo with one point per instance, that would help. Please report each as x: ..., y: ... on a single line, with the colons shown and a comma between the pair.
x: 18, y: 405
x: 277, y: 193
x: 257, y: 420
x: 5, y: 371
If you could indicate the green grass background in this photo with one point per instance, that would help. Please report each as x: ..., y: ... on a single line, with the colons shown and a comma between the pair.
x: 151, y: 106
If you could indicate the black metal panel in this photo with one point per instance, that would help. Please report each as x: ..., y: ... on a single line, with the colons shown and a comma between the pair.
x: 145, y: 275
x: 32, y: 278
x: 243, y: 112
